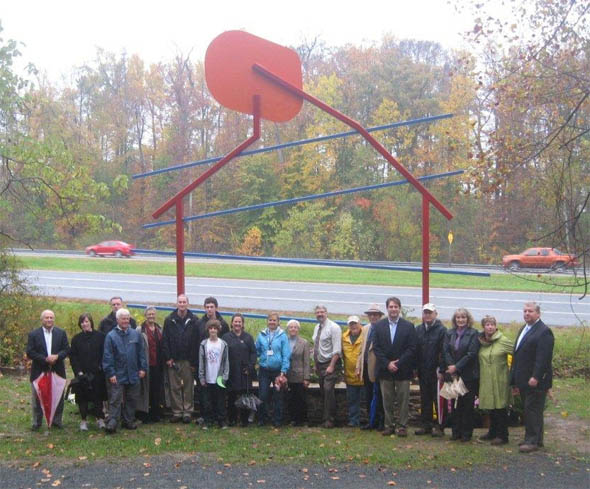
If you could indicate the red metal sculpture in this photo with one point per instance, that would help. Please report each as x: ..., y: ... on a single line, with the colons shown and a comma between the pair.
x: 252, y: 75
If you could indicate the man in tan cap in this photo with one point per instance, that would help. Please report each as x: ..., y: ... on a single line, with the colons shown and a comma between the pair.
x: 366, y: 365
x: 431, y: 334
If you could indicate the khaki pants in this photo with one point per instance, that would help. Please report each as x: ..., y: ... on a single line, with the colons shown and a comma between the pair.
x: 181, y: 389
x: 328, y: 390
x: 395, y: 392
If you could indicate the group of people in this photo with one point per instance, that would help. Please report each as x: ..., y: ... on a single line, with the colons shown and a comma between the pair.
x: 139, y: 370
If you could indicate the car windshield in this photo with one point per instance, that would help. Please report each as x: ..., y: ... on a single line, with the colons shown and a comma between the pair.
x: 557, y: 252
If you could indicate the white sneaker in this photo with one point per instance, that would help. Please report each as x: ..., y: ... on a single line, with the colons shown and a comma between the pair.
x: 101, y: 424
x: 83, y: 426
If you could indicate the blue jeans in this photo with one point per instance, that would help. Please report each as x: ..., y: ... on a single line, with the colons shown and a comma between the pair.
x: 266, y: 391
x: 353, y: 401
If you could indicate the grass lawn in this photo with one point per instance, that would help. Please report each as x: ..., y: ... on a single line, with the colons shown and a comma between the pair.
x: 518, y: 282
x: 236, y: 445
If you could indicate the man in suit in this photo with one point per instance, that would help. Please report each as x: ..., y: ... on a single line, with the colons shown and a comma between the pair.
x: 47, y: 347
x: 394, y: 344
x: 531, y: 374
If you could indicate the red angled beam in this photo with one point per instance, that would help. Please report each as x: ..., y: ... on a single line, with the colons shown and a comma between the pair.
x: 176, y: 201
x: 360, y: 129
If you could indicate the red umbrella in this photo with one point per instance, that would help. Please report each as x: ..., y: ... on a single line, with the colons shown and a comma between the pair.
x: 49, y: 388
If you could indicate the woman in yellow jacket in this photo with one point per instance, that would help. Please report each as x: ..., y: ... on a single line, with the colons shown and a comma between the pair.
x: 351, y: 351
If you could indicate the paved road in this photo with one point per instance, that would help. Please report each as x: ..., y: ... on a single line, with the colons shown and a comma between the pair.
x: 536, y: 471
x: 557, y: 309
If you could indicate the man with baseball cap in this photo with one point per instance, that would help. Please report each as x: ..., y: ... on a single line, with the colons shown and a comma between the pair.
x: 366, y: 364
x: 431, y: 334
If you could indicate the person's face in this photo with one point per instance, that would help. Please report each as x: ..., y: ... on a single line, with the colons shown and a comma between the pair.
x: 116, y: 304
x: 321, y: 315
x: 355, y: 328
x: 182, y: 303
x: 213, y: 333
x: 489, y: 328
x: 237, y: 325
x: 373, y: 317
x: 86, y: 325
x: 150, y: 316
x: 293, y: 330
x: 461, y: 320
x: 272, y: 322
x: 429, y: 316
x: 48, y: 320
x: 210, y: 309
x: 393, y: 310
x: 530, y: 314
x: 123, y: 321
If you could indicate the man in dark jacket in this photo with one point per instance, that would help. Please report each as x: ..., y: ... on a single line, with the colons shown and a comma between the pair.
x: 47, y: 347
x: 124, y: 364
x: 181, y: 354
x: 532, y: 374
x: 211, y: 312
x: 431, y: 336
x: 109, y: 322
x: 394, y: 344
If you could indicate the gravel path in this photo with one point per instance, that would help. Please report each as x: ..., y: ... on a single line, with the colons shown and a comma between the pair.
x: 536, y: 471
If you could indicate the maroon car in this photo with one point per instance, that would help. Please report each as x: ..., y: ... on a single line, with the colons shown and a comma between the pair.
x: 112, y: 248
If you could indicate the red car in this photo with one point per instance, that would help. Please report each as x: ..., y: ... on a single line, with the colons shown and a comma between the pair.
x: 113, y: 248
x: 539, y: 258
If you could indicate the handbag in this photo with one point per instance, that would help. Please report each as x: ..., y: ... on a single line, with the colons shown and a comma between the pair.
x: 454, y: 389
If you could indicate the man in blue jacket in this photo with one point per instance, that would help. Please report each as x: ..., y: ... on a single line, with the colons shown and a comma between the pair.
x: 124, y: 364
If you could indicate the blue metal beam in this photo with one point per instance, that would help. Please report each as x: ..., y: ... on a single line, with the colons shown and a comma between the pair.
x: 292, y: 144
x: 301, y: 199
x: 302, y: 261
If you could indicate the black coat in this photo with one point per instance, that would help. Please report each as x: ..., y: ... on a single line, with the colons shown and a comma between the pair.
x: 533, y: 358
x: 429, y: 349
x: 465, y: 357
x: 109, y: 323
x: 180, y: 338
x: 37, y: 351
x: 204, y: 334
x: 403, y: 349
x: 242, y: 360
x: 86, y: 352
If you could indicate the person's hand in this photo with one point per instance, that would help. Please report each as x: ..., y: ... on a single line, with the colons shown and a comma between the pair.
x: 533, y: 382
x: 452, y: 369
x: 170, y: 363
x: 305, y: 384
x: 51, y: 359
x: 392, y: 366
x: 113, y: 380
x: 141, y: 374
x: 193, y: 369
x: 330, y: 370
x: 203, y: 383
x: 515, y: 391
x: 440, y: 376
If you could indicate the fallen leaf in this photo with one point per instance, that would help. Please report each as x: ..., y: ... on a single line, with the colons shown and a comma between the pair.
x: 391, y: 483
x: 56, y: 483
x: 36, y: 464
x: 227, y: 465
x: 362, y: 476
x: 304, y: 470
x: 50, y: 445
x: 157, y: 441
x: 147, y: 464
x: 335, y: 477
x: 83, y: 457
x: 252, y: 462
x: 261, y: 481
x: 146, y: 474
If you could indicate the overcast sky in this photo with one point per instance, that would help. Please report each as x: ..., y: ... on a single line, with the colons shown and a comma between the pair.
x: 61, y: 34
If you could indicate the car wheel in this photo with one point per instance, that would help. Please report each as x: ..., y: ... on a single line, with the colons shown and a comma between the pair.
x: 92, y: 253
x: 514, y: 265
x: 118, y: 254
x: 560, y: 265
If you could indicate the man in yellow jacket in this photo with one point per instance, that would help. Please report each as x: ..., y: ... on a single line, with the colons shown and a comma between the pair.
x: 351, y: 351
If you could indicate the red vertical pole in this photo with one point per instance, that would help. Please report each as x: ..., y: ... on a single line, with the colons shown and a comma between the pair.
x: 179, y: 247
x: 425, y: 250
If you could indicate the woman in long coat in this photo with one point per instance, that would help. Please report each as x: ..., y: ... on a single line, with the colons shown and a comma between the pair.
x: 86, y: 361
x: 298, y: 374
x: 460, y: 358
x: 151, y: 398
x: 242, y: 363
x: 494, y: 385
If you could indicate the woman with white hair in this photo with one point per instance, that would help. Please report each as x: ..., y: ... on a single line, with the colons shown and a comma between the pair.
x: 298, y: 374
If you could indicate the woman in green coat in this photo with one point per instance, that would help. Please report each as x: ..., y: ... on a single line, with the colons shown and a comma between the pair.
x: 494, y: 386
